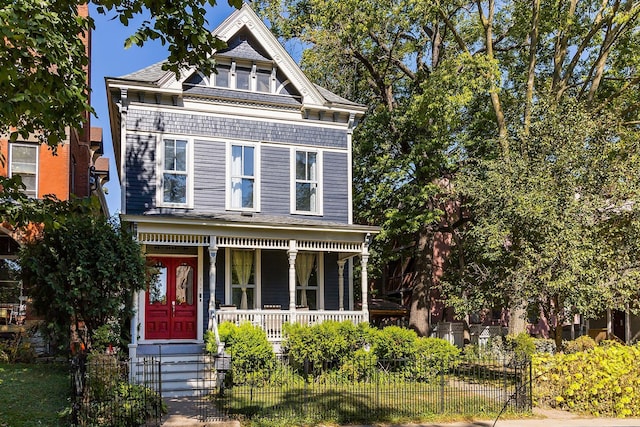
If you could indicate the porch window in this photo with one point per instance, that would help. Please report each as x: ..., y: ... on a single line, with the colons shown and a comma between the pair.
x: 243, y: 283
x: 24, y: 162
x: 243, y: 177
x: 307, y: 280
x: 307, y: 182
x: 174, y: 172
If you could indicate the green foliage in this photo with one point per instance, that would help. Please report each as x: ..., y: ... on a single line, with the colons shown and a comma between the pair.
x: 602, y: 381
x: 322, y: 344
x: 105, y: 336
x: 394, y: 342
x: 84, y: 269
x: 523, y: 345
x: 252, y: 356
x: 44, y: 34
x: 545, y: 345
x: 582, y: 343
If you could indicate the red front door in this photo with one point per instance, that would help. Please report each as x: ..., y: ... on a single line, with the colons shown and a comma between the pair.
x: 170, y: 308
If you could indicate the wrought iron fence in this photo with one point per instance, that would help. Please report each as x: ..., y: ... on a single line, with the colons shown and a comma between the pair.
x: 371, y: 390
x: 114, y: 393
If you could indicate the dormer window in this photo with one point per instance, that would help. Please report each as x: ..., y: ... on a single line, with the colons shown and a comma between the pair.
x: 221, y: 78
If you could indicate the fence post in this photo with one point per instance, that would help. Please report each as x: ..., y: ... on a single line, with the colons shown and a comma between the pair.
x: 442, y: 390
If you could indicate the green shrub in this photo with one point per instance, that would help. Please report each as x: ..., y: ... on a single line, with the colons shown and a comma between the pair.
x: 361, y: 365
x: 603, y: 381
x: 545, y: 345
x: 523, y: 345
x: 582, y: 343
x: 433, y: 355
x: 394, y: 342
x: 323, y: 345
x: 252, y: 356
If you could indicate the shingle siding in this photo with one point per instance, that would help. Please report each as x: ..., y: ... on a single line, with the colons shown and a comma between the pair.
x: 227, y: 127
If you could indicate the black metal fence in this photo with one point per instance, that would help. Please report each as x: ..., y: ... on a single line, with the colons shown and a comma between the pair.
x: 371, y: 390
x: 107, y: 392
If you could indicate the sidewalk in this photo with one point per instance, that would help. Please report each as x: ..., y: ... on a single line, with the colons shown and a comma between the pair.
x: 182, y: 413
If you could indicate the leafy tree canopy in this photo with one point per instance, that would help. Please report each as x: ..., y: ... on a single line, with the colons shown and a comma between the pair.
x: 43, y: 83
x: 501, y: 124
x: 84, y: 270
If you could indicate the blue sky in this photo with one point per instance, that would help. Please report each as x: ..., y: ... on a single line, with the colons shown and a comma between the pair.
x: 111, y: 59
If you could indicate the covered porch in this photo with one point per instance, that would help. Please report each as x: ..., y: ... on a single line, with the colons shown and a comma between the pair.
x: 265, y: 273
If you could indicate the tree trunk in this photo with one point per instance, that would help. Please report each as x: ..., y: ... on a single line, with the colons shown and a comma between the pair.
x: 517, y: 318
x: 420, y: 295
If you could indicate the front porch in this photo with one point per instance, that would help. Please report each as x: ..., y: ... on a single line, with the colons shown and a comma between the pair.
x: 272, y: 320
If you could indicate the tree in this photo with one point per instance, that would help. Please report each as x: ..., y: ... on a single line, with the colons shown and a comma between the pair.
x: 468, y: 99
x: 43, y: 84
x: 83, y: 270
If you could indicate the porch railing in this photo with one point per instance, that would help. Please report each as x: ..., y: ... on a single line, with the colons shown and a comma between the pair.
x: 271, y: 321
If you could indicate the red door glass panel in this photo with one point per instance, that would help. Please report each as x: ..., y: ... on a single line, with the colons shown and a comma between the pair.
x: 170, y: 308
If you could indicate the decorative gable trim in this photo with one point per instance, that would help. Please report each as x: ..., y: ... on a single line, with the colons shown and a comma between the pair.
x: 246, y: 17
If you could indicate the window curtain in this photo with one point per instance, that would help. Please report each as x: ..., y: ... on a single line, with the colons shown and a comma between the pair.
x: 236, y: 172
x: 243, y: 266
x: 304, y: 267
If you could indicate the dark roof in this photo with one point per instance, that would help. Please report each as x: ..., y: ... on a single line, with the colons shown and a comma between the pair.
x: 150, y: 74
x: 239, y: 96
x: 268, y: 220
x: 333, y: 98
x: 243, y: 50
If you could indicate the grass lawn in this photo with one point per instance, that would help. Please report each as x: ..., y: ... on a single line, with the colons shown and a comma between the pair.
x: 33, y: 394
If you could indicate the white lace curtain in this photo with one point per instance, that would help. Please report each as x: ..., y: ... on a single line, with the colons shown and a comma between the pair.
x: 305, y: 262
x: 243, y: 266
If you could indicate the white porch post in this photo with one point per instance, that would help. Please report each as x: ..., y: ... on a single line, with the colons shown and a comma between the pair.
x: 292, y: 252
x: 627, y: 324
x: 609, y: 323
x: 133, y: 345
x: 213, y: 254
x: 341, y: 263
x: 364, y: 258
x: 213, y: 322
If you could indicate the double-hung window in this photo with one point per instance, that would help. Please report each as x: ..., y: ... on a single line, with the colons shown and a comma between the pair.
x: 306, y: 191
x: 243, y: 173
x: 24, y: 162
x: 174, y: 172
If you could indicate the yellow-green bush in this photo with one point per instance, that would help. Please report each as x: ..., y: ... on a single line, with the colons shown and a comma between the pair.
x: 604, y: 381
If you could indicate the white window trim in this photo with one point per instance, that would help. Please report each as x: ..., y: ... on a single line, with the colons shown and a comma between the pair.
x: 292, y: 186
x: 320, y: 288
x: 256, y: 176
x: 37, y: 148
x: 228, y: 276
x: 160, y: 170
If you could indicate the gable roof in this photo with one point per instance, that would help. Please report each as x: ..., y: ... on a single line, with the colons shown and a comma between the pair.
x: 269, y: 49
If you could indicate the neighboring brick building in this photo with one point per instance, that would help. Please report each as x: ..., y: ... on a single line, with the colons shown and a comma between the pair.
x: 76, y: 169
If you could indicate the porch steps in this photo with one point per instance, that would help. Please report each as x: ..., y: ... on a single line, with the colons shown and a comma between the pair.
x: 185, y: 371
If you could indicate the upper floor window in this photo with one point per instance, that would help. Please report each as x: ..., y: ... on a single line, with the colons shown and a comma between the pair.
x: 243, y: 175
x: 24, y: 162
x: 306, y: 183
x: 174, y: 172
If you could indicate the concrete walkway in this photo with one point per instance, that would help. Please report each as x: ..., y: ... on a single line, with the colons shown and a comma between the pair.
x: 183, y: 412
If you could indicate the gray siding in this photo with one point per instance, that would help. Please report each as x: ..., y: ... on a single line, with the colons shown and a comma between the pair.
x: 209, y: 177
x: 141, y: 173
x: 336, y: 187
x: 275, y: 181
x: 250, y: 130
x: 209, y: 173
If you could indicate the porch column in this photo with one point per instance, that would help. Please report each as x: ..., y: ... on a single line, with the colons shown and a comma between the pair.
x: 341, y: 263
x: 364, y: 258
x: 292, y: 252
x: 213, y: 253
